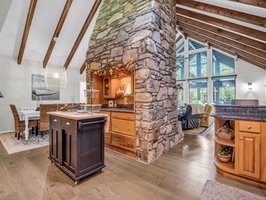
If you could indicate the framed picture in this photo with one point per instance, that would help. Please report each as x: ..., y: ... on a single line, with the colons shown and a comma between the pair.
x: 39, y: 90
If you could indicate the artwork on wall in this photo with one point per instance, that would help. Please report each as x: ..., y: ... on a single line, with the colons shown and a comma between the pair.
x: 40, y: 92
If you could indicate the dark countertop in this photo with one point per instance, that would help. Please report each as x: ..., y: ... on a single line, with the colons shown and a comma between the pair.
x: 240, y: 117
x: 239, y: 106
x: 117, y: 110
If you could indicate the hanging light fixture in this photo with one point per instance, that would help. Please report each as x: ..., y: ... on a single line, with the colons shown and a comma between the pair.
x: 55, y: 77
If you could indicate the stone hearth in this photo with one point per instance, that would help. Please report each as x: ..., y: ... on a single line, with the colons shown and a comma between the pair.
x: 143, y: 31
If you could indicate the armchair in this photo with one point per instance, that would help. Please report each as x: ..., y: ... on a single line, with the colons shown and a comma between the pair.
x: 189, y: 121
x: 206, y: 119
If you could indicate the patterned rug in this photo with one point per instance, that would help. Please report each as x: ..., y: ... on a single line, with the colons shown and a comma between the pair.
x: 202, y: 131
x: 217, y: 191
x: 13, y: 145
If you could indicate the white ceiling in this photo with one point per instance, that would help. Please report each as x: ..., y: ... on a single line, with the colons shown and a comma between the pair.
x: 44, y: 22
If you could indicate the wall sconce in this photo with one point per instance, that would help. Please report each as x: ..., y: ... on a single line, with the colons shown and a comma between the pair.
x: 249, y: 86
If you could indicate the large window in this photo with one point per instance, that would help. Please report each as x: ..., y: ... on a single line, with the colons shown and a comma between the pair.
x: 223, y: 78
x: 198, y: 91
x: 198, y: 65
x: 202, y: 70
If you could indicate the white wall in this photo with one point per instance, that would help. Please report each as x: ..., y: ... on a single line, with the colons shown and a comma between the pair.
x: 15, y: 84
x: 248, y: 73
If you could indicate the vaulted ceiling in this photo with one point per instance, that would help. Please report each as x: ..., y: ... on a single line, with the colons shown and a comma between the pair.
x: 47, y: 31
x: 234, y: 26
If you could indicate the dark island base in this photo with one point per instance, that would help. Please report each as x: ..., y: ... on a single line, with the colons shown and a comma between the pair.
x: 77, y: 179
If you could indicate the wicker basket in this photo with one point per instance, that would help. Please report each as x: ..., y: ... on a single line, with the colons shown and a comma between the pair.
x: 225, y: 132
x: 224, y: 158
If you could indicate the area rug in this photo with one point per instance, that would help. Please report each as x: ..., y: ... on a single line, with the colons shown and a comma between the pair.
x: 202, y: 131
x: 217, y: 191
x: 13, y: 145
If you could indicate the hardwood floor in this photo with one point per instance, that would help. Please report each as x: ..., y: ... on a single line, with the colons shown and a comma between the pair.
x: 178, y: 174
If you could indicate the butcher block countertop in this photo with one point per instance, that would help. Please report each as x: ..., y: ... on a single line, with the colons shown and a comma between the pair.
x: 76, y: 115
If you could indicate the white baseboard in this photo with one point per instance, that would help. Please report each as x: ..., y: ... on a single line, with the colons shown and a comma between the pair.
x: 9, y: 131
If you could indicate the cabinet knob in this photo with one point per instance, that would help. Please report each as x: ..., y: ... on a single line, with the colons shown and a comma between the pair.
x: 241, y: 138
x: 249, y: 127
x: 68, y: 123
x: 55, y: 120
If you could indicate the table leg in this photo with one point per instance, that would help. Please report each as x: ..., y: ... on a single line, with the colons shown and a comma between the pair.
x: 26, y: 127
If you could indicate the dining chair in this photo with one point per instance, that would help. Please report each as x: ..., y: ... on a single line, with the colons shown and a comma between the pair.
x: 20, y: 124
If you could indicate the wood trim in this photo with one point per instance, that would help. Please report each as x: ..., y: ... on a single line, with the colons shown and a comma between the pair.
x: 224, y: 24
x: 178, y: 39
x: 256, y: 53
x: 82, y: 32
x: 222, y: 32
x: 26, y: 32
x: 57, y: 31
x: 259, y: 21
x: 83, y: 67
x: 226, y: 48
x: 258, y: 3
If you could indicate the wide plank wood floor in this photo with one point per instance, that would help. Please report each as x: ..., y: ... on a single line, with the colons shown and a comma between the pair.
x: 178, y: 174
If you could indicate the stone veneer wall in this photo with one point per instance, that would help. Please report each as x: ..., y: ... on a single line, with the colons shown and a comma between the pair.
x: 143, y: 30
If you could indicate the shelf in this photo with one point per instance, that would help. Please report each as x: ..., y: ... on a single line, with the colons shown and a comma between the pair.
x: 224, y: 141
x: 228, y: 167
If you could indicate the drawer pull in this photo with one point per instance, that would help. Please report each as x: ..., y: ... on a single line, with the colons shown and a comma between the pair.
x: 68, y: 123
x: 241, y: 138
x: 55, y: 120
x: 249, y: 127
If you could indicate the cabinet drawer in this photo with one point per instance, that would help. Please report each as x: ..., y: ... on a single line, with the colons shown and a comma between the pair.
x: 69, y: 124
x: 123, y: 141
x: 123, y: 126
x: 55, y: 122
x: 249, y: 126
x: 107, y: 138
x: 127, y: 116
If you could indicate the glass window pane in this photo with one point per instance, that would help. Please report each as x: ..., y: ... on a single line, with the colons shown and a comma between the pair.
x: 180, y: 67
x: 193, y: 45
x: 224, y: 90
x: 180, y: 47
x: 198, y: 65
x: 181, y: 95
x: 222, y: 64
x: 198, y: 91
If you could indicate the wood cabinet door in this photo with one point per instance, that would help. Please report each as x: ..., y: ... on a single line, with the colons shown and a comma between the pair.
x: 249, y: 155
x: 69, y: 150
x: 56, y: 144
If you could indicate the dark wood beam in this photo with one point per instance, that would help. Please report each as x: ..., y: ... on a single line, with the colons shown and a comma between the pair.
x: 179, y: 38
x: 259, y: 21
x: 82, y: 32
x: 219, y: 31
x: 248, y: 49
x: 26, y: 32
x: 224, y: 24
x: 241, y: 54
x: 83, y: 67
x: 259, y: 3
x: 57, y: 32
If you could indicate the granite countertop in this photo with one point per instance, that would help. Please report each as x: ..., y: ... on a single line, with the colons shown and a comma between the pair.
x: 239, y: 106
x: 118, y: 110
x: 76, y: 115
x: 250, y: 117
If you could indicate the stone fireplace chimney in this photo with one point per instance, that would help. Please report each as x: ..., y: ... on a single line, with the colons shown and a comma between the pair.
x: 143, y: 31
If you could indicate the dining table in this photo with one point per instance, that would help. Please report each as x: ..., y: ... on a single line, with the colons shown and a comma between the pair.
x: 26, y: 115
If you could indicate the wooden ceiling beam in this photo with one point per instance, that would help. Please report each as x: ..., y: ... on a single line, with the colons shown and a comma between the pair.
x: 259, y: 21
x: 233, y: 43
x: 26, y: 32
x: 224, y: 24
x: 82, y: 32
x: 241, y: 54
x: 57, y: 31
x: 239, y: 38
x: 83, y: 67
x: 258, y: 3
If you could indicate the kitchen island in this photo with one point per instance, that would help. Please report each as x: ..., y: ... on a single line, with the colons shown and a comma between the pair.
x: 240, y: 143
x: 76, y: 143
